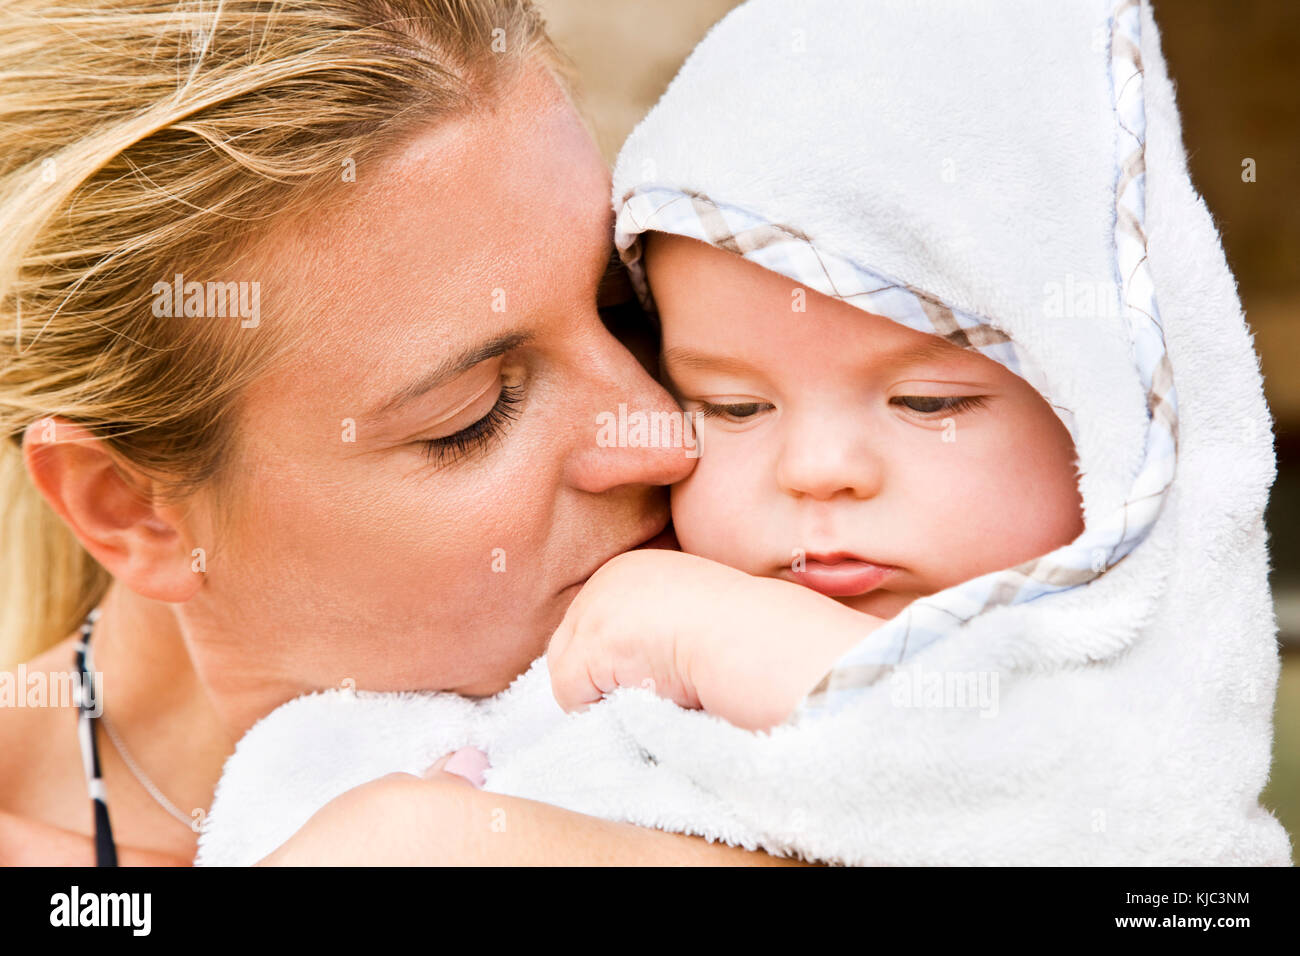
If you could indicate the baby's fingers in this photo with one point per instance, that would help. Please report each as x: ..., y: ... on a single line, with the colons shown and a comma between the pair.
x: 571, y: 681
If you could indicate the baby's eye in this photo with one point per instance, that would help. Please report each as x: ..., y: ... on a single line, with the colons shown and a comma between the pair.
x: 733, y: 411
x: 933, y: 404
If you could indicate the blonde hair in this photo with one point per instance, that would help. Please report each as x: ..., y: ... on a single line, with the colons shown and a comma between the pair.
x: 140, y: 139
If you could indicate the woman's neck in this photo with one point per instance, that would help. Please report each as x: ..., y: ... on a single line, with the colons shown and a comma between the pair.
x: 160, y: 709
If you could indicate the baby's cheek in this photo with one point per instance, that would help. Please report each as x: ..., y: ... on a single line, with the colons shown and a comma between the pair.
x: 1041, y: 481
x: 713, y: 515
x: 1017, y: 497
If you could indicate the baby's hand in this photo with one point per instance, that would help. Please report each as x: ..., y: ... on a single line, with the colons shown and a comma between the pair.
x: 701, y: 634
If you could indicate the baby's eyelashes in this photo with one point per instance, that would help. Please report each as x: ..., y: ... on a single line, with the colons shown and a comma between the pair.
x: 732, y: 411
x: 919, y: 404
x: 934, y: 404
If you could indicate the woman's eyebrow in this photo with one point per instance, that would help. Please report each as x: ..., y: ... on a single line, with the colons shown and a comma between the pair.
x: 449, y: 368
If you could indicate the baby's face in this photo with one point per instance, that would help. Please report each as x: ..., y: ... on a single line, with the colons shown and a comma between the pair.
x: 843, y: 451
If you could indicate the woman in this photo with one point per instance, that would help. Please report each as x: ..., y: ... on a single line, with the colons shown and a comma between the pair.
x: 378, y: 471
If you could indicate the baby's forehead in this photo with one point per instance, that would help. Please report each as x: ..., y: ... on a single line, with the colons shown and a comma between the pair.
x: 715, y: 306
x: 817, y: 356
x: 722, y: 314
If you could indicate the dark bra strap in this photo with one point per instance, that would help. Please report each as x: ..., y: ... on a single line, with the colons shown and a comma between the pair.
x: 88, y: 699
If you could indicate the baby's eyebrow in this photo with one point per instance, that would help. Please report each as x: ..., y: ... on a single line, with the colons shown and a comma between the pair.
x: 936, y: 347
x: 683, y: 357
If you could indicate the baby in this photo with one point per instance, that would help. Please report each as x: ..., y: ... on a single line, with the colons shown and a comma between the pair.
x: 848, y: 465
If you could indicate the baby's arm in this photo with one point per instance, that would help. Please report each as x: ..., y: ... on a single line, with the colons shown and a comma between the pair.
x: 702, y: 634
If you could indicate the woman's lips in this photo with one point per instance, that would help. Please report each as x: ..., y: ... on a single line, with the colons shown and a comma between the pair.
x: 840, y: 576
x: 665, y: 539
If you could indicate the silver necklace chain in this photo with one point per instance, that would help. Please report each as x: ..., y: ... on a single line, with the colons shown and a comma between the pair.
x: 144, y: 780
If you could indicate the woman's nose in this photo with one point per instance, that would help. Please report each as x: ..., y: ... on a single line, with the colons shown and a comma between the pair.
x: 824, y: 458
x: 629, y: 430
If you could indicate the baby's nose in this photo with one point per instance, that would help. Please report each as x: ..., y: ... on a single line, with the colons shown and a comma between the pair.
x: 819, y: 464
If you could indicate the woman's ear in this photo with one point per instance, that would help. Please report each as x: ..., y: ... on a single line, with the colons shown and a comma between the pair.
x: 112, y: 510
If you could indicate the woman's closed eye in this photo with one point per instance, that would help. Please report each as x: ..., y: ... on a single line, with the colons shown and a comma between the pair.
x: 477, y: 437
x: 938, y: 405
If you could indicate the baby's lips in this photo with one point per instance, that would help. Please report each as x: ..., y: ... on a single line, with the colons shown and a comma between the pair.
x: 467, y: 762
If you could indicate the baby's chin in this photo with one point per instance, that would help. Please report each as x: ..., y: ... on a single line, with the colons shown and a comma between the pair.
x: 879, y: 603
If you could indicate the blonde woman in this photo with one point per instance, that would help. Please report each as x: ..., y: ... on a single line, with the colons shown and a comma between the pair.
x: 298, y: 340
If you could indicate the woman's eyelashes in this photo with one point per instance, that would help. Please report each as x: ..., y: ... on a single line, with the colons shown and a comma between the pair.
x: 938, y: 405
x: 475, y: 438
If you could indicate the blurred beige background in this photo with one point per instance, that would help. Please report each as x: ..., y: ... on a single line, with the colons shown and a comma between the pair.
x: 626, y: 51
x: 1237, y: 73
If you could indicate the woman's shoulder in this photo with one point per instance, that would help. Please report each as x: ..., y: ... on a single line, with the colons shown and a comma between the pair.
x: 40, y: 763
x: 44, y: 807
x: 28, y: 842
x: 25, y: 841
x: 38, y: 724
